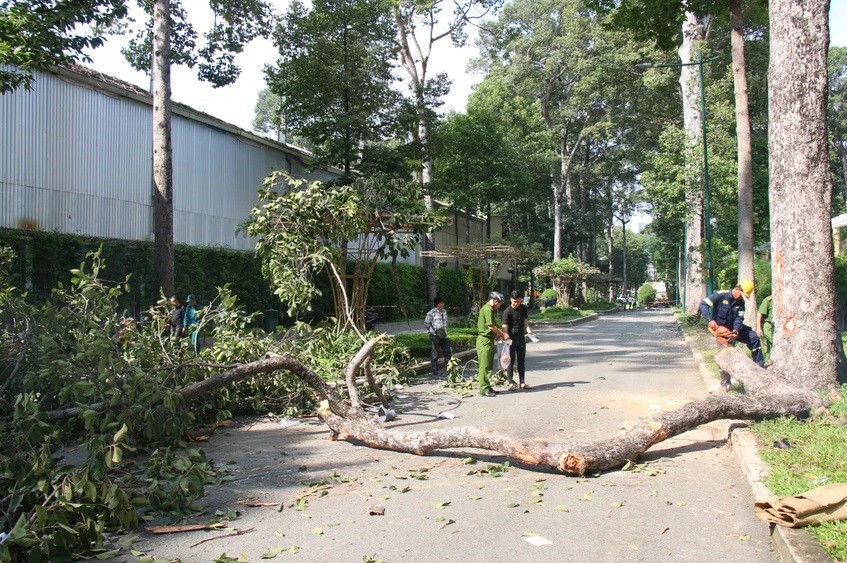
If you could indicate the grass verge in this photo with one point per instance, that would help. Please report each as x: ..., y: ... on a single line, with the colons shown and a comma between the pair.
x: 818, y: 455
x: 419, y: 346
x: 558, y: 313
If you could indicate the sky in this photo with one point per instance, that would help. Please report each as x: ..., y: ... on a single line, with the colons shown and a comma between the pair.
x: 235, y: 103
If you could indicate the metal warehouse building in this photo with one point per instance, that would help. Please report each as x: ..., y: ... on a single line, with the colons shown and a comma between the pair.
x: 76, y: 157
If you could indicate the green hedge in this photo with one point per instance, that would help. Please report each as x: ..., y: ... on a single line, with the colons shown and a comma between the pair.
x: 383, y: 295
x: 49, y: 257
x: 45, y: 258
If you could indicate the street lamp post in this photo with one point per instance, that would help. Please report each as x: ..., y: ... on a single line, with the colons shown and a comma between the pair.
x: 710, y: 285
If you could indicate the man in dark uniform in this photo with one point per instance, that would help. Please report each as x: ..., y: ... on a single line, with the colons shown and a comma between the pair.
x: 726, y: 309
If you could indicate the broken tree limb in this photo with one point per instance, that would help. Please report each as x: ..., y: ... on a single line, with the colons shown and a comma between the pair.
x: 760, y: 381
x: 269, y: 363
x: 574, y: 458
x: 353, y: 367
x: 767, y: 397
x: 375, y: 387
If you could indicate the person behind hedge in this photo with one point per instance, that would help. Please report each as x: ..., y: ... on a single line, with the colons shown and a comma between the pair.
x: 190, y: 322
x: 436, y: 325
x: 176, y: 318
x: 764, y: 325
x: 516, y: 325
x: 487, y: 332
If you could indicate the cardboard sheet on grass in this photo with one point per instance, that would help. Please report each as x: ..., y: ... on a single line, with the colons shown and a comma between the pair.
x: 812, y: 507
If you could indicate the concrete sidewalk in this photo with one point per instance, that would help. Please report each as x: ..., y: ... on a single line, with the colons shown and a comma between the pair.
x: 685, y: 500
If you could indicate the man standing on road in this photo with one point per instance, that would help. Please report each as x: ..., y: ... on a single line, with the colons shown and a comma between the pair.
x: 516, y: 325
x: 487, y: 332
x: 728, y: 321
x: 436, y: 325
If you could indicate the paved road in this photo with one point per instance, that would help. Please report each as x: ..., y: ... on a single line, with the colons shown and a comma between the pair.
x: 687, y: 501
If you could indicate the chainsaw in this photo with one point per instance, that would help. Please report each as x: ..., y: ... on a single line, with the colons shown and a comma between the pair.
x: 723, y: 335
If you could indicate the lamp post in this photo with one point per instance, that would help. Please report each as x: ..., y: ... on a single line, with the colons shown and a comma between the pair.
x: 710, y: 285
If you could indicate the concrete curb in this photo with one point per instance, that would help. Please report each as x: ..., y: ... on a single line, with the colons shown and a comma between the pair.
x: 792, y: 545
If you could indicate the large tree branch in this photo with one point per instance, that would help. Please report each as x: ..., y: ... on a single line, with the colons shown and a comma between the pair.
x: 575, y: 458
x: 768, y: 397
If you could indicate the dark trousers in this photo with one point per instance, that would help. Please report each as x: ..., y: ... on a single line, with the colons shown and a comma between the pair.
x: 517, y: 353
x: 749, y: 337
x: 439, y: 342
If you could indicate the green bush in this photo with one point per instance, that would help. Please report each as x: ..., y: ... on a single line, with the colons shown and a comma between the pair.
x: 44, y: 258
x: 646, y: 294
x: 549, y: 293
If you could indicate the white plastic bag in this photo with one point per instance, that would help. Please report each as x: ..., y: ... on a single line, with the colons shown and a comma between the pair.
x: 505, y: 356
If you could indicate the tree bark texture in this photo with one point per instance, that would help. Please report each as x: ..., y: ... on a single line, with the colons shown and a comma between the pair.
x: 807, y: 344
x: 163, y: 211
x: 745, y: 156
x: 695, y: 278
x: 558, y: 202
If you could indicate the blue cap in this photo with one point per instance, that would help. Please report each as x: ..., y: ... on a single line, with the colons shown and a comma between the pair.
x: 190, y: 298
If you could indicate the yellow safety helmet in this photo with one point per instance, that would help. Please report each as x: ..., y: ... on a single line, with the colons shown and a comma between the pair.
x: 746, y: 286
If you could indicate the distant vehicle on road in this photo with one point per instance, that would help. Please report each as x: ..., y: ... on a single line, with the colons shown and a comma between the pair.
x: 661, y: 294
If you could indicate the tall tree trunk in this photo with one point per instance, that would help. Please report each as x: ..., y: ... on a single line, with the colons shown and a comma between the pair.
x: 610, y: 231
x: 807, y: 345
x: 426, y: 182
x: 623, y: 227
x: 557, y: 220
x: 745, y: 156
x: 695, y: 280
x: 163, y: 211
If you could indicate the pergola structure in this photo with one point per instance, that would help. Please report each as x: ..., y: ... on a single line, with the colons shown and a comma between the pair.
x: 489, y: 257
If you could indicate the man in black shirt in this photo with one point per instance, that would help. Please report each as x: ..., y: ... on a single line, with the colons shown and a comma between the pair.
x: 516, y: 325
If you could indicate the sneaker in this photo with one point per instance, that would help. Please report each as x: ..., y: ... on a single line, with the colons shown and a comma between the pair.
x: 489, y: 394
x: 512, y: 386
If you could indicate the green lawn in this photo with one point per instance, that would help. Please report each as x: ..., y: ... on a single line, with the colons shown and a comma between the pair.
x: 558, y: 313
x: 818, y: 454
x: 419, y: 346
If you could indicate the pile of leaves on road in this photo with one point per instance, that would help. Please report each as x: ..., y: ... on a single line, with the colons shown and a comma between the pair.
x: 93, y: 423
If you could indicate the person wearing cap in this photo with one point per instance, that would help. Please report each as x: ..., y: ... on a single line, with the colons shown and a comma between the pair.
x: 764, y: 324
x: 516, y: 325
x: 190, y: 322
x: 487, y: 332
x: 726, y: 309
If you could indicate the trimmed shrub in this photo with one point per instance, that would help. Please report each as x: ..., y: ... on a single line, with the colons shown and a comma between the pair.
x: 646, y: 294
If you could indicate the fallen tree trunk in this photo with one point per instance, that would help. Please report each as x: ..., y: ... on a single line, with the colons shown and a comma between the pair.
x: 767, y: 397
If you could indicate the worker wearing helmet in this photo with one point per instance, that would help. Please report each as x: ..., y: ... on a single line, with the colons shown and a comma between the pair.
x: 726, y: 309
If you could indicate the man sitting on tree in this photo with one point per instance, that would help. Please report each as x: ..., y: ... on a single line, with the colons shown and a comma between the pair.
x: 724, y: 311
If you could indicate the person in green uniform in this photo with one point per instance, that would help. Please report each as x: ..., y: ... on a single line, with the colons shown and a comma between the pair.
x: 764, y: 324
x: 487, y: 332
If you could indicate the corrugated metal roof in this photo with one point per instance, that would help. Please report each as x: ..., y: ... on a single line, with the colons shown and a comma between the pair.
x: 76, y: 157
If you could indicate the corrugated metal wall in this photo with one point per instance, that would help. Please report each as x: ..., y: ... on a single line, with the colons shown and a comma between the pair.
x: 77, y: 160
